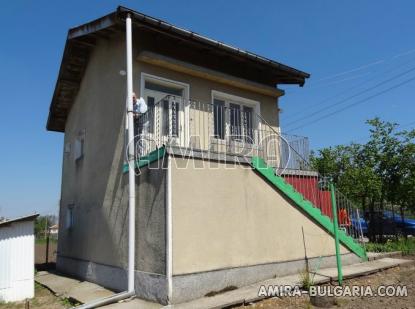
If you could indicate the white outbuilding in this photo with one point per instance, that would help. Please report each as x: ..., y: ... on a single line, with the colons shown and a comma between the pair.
x: 17, y: 259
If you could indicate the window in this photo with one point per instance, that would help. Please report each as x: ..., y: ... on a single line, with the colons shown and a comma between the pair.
x: 219, y: 118
x: 247, y: 124
x: 173, y: 107
x: 69, y: 220
x: 166, y: 99
x: 159, y: 87
x: 150, y: 112
x: 235, y: 121
x: 234, y: 117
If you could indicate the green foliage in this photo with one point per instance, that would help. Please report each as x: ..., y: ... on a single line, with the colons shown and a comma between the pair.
x: 378, y: 172
x: 42, y: 224
x: 405, y: 245
x: 44, y: 240
x: 66, y: 302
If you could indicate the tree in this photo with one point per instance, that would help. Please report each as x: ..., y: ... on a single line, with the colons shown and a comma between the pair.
x: 42, y: 225
x: 374, y: 174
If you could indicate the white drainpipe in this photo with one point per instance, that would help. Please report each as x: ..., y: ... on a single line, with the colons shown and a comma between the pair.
x: 131, y: 183
x: 169, y: 233
x: 131, y: 158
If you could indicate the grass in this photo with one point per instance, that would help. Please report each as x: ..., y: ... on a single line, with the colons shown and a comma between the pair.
x: 43, y: 240
x: 306, y: 280
x: 406, y: 246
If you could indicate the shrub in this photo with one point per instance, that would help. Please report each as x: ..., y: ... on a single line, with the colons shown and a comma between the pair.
x: 406, y: 246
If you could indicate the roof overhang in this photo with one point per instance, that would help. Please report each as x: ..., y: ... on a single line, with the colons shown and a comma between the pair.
x: 82, y: 39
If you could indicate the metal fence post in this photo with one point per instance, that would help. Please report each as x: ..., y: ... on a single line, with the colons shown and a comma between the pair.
x: 336, y: 233
x: 47, y: 247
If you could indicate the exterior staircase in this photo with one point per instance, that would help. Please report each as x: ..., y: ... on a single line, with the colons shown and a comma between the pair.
x: 306, y: 206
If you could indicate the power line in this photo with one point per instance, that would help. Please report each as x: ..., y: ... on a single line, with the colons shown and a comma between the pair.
x: 352, y: 96
x: 345, y: 79
x: 352, y: 70
x: 407, y: 125
x: 310, y: 107
x: 399, y: 126
x: 354, y: 104
x: 357, y: 69
x: 404, y: 53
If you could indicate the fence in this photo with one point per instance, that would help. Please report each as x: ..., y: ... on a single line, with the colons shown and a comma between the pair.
x: 214, y: 127
x: 297, y: 171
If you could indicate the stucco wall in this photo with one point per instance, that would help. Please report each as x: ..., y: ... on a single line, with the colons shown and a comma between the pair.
x: 225, y: 218
x: 94, y: 185
x: 201, y: 89
x: 151, y: 219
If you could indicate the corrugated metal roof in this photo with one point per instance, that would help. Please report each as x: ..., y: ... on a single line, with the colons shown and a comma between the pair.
x: 25, y: 218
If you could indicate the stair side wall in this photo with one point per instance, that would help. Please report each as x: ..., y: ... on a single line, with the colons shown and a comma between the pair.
x: 228, y: 216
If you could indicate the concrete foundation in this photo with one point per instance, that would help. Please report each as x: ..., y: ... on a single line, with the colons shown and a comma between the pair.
x: 193, y: 286
x: 148, y: 286
x: 153, y: 287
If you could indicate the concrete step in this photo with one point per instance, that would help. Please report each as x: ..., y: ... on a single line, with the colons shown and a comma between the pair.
x: 81, y: 291
x: 84, y: 292
x: 380, y: 255
x: 365, y: 268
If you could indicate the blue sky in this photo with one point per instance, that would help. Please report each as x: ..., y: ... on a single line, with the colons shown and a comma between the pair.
x: 347, y: 47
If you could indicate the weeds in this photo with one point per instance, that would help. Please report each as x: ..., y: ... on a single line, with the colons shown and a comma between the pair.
x: 306, y: 280
x: 406, y: 246
x: 66, y: 302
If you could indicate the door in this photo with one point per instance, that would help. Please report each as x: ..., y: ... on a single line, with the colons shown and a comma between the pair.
x: 166, y: 112
x: 241, y: 139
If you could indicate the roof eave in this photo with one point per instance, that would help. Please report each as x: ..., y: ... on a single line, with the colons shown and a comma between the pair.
x: 123, y: 11
x: 20, y: 219
x: 80, y: 37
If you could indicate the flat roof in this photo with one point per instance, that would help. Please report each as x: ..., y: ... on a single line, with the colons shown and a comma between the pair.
x: 82, y: 39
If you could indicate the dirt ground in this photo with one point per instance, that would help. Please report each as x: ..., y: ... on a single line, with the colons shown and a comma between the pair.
x: 395, y: 276
x: 40, y: 252
x: 44, y: 299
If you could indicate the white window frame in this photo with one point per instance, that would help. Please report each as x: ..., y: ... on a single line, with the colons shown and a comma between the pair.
x: 233, y: 99
x: 170, y: 82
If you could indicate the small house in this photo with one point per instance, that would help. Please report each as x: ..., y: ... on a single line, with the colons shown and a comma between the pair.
x: 213, y: 206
